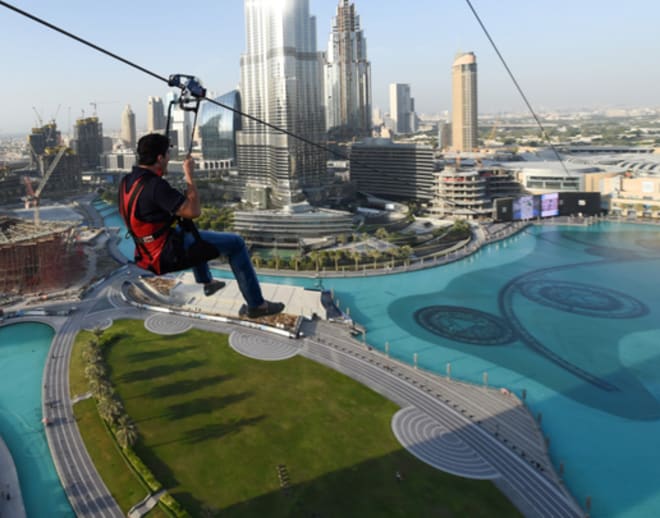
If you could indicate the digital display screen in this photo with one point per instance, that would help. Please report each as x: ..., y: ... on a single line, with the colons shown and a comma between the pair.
x: 549, y: 205
x: 523, y: 208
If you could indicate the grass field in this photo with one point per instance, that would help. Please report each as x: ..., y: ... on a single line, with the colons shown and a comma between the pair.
x: 214, y: 426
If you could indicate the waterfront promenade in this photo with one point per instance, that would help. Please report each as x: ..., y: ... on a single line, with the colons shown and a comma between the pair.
x: 492, y: 435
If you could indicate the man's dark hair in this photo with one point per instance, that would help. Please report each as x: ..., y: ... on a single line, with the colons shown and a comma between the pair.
x: 150, y: 146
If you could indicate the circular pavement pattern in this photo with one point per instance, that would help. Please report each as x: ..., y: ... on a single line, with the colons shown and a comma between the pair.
x: 464, y: 325
x: 261, y: 347
x: 167, y: 324
x: 582, y: 299
x: 433, y: 444
x: 97, y: 323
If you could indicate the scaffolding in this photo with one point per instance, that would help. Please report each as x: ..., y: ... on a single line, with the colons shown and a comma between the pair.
x: 40, y: 258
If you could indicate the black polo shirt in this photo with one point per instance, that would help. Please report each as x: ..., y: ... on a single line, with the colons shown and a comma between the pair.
x: 158, y: 202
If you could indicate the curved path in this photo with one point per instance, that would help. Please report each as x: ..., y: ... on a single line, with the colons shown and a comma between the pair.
x: 261, y: 347
x: 434, y: 444
x: 485, y: 440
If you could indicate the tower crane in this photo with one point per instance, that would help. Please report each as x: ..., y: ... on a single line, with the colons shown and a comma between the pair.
x: 34, y: 196
x: 39, y: 120
x: 94, y: 104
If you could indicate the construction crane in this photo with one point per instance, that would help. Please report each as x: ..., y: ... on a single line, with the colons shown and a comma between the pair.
x: 39, y: 120
x: 34, y: 196
x: 94, y: 104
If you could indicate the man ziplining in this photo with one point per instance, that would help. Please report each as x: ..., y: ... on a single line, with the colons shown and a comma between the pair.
x: 151, y: 209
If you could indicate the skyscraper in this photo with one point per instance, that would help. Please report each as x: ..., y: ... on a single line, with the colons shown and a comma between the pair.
x: 155, y: 115
x: 347, y: 76
x: 218, y: 126
x: 281, y: 83
x: 402, y: 112
x: 180, y: 130
x: 464, y: 102
x: 88, y: 142
x: 128, y: 131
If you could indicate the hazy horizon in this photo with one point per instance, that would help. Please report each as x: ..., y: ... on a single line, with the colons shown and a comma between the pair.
x: 568, y: 56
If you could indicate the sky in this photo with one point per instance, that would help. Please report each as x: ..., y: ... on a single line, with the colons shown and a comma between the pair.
x: 565, y: 54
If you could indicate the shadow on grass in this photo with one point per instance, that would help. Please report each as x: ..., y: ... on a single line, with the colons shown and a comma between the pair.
x: 367, y: 489
x: 219, y: 430
x: 184, y: 386
x: 108, y: 342
x: 158, y: 371
x: 161, y: 471
x: 157, y: 354
x: 205, y: 405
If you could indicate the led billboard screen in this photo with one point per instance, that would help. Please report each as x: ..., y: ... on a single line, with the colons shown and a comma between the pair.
x: 549, y: 205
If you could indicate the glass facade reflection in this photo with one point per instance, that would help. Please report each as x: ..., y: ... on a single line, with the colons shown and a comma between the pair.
x: 218, y: 126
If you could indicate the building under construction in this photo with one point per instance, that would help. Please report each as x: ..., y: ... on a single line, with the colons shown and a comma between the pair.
x: 38, y: 258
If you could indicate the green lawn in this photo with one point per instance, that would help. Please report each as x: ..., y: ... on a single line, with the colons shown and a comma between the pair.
x: 215, y: 425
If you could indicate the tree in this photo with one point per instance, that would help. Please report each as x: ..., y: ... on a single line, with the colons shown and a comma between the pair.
x: 127, y: 432
x: 101, y: 388
x: 296, y: 261
x: 315, y: 256
x: 337, y: 255
x: 95, y: 371
x: 110, y: 410
x: 375, y: 254
x: 356, y: 255
x: 256, y: 259
x: 406, y: 251
x: 382, y: 233
x: 98, y: 333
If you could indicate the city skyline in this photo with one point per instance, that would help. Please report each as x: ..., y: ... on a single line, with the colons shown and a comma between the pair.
x: 566, y: 56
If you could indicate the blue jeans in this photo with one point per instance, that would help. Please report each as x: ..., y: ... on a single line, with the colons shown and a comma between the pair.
x: 232, y: 246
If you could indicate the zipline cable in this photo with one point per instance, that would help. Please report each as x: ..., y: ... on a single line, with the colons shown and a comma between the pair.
x: 515, y: 82
x: 166, y: 80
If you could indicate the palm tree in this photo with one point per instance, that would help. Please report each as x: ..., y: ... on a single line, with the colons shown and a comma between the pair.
x: 92, y: 354
x: 296, y: 261
x: 315, y: 256
x: 109, y: 409
x: 337, y: 256
x: 256, y: 259
x: 95, y: 370
x: 102, y: 388
x: 406, y: 251
x: 375, y: 254
x: 127, y: 432
x: 382, y: 233
x: 98, y: 333
x: 356, y: 255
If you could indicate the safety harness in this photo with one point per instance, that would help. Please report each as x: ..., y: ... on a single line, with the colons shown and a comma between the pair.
x: 149, y: 238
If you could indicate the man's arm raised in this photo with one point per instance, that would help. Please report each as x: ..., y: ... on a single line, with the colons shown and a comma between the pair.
x: 191, y: 208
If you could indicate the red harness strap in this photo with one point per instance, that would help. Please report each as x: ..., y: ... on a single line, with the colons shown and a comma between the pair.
x: 149, y: 238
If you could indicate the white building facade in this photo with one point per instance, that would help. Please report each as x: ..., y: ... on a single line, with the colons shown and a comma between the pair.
x: 282, y: 84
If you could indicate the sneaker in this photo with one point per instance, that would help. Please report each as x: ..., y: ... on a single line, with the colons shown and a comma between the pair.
x: 272, y: 308
x: 211, y: 287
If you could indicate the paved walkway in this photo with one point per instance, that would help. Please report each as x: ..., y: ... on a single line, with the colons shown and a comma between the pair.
x: 11, y: 500
x: 146, y: 505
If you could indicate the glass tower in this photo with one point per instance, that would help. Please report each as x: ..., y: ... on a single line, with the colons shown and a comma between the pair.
x: 155, y: 115
x: 218, y: 126
x: 464, y: 102
x: 281, y: 84
x: 347, y: 76
x: 401, y: 108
